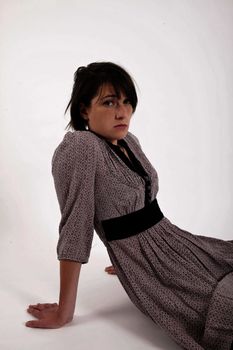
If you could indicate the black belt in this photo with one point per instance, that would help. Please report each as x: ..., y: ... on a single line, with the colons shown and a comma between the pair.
x: 130, y: 224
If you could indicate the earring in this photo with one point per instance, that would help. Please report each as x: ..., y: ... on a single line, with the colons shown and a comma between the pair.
x: 85, y: 122
x: 86, y: 125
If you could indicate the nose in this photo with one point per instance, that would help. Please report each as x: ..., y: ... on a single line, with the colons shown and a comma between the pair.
x: 121, y: 110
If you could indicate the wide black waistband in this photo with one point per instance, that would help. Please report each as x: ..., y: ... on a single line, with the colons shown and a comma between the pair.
x: 130, y: 224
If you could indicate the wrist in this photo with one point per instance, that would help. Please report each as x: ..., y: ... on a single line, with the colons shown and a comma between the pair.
x: 64, y: 316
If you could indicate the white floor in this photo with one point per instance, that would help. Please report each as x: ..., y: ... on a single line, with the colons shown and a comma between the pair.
x: 105, y: 318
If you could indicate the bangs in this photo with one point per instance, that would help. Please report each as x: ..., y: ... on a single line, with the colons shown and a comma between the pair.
x: 120, y: 84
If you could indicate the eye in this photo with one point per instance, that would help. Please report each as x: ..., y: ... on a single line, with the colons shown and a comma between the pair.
x: 109, y: 103
x: 127, y: 101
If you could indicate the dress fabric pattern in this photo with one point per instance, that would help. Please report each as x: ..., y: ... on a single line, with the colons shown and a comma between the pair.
x: 182, y: 281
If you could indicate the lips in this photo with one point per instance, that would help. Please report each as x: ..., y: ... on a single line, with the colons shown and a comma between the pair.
x: 120, y: 125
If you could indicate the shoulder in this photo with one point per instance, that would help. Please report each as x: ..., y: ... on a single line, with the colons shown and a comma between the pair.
x: 132, y: 138
x: 75, y: 145
x: 78, y: 139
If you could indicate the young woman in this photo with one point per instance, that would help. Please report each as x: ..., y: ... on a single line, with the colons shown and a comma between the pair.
x: 104, y: 181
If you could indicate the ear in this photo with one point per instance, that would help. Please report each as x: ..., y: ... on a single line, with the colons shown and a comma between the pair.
x: 83, y: 111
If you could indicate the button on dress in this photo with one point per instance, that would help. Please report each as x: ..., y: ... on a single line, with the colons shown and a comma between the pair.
x: 182, y: 281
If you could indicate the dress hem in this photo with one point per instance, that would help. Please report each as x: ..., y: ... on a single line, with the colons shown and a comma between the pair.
x: 218, y: 332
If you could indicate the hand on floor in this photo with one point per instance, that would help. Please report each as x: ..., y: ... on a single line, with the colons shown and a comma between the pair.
x: 48, y: 316
x: 110, y: 269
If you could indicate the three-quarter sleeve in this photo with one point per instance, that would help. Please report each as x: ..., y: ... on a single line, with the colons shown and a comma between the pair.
x: 73, y: 169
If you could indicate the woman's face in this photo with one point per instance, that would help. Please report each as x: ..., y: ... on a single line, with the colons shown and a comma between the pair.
x: 106, y: 112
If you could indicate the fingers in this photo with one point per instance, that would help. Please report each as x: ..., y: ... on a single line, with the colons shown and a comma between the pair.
x: 37, y: 324
x: 39, y: 309
x: 43, y: 306
x: 110, y: 270
x: 47, y: 315
x: 32, y: 324
x: 50, y: 322
x: 34, y: 312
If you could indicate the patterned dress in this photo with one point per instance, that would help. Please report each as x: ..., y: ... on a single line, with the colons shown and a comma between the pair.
x: 182, y: 281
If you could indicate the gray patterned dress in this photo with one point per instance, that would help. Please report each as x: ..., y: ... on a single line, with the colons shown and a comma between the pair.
x: 182, y: 281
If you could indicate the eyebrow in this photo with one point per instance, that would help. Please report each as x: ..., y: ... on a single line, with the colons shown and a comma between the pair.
x: 108, y: 96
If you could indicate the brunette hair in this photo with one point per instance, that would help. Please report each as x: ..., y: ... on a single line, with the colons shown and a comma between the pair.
x: 87, y: 82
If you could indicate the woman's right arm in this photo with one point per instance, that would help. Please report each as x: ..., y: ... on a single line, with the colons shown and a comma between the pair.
x: 57, y: 315
x: 69, y: 276
x: 74, y: 165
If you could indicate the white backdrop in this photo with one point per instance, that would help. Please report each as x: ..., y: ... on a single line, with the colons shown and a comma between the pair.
x: 180, y: 53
